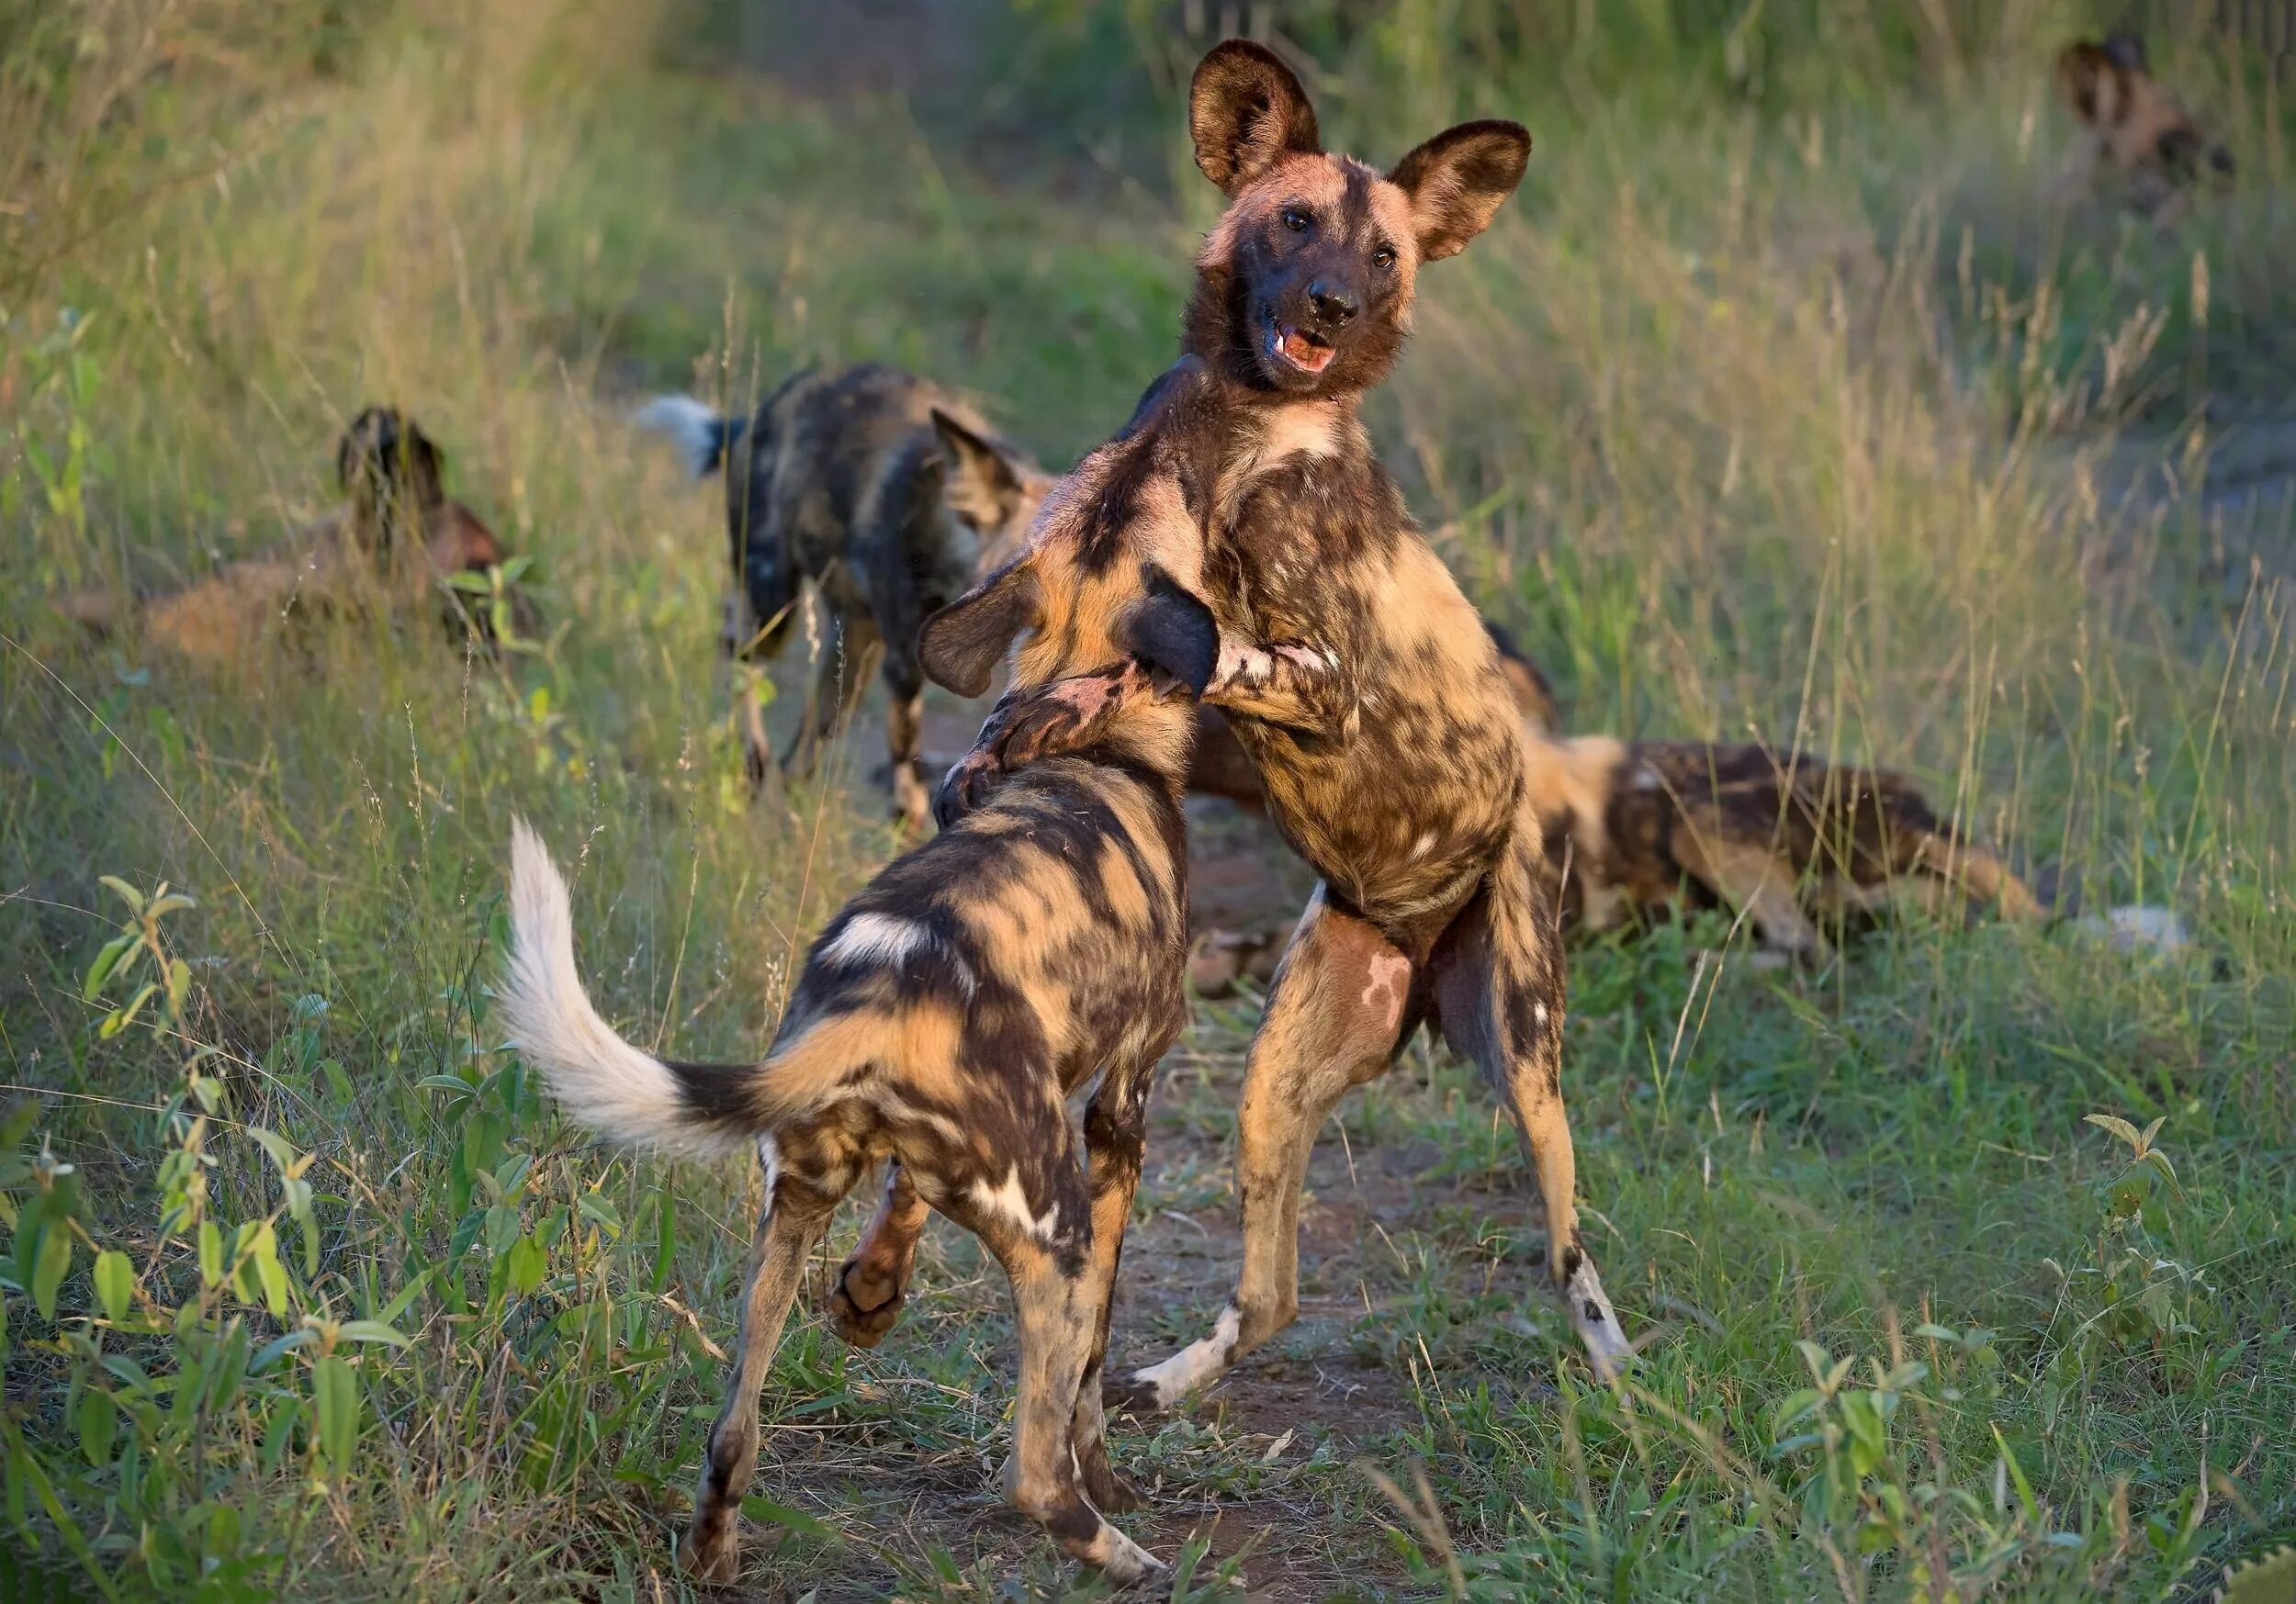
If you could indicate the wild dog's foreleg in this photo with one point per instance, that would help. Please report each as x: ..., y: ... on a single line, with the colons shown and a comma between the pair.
x: 795, y: 1217
x: 1115, y: 1141
x: 872, y: 1284
x: 904, y: 743
x: 1294, y: 684
x: 1498, y: 985
x: 1027, y: 727
x: 1979, y: 875
x: 1335, y: 1012
x: 1756, y: 879
x: 840, y: 680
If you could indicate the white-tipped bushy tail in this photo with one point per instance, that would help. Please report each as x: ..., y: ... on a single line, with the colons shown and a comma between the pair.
x: 702, y: 433
x: 606, y: 1084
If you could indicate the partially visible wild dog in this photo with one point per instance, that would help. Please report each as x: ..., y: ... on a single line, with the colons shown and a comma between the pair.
x: 1360, y: 683
x: 2130, y: 127
x: 398, y: 539
x: 1634, y: 830
x: 951, y: 1007
x: 889, y: 496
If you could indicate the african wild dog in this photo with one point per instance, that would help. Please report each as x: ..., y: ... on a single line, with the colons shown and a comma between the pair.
x: 1793, y: 843
x: 951, y: 1008
x: 2130, y: 127
x: 1361, y: 682
x: 889, y: 496
x: 396, y: 541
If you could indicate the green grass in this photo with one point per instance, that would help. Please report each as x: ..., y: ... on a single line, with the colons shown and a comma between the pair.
x: 1723, y: 416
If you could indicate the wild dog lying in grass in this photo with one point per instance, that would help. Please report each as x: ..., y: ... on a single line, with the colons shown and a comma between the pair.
x: 1361, y: 683
x: 948, y: 1012
x: 2130, y: 129
x: 1632, y: 830
x: 890, y: 497
x: 398, y: 540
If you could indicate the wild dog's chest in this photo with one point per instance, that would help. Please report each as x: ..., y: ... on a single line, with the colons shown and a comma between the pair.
x: 1304, y: 548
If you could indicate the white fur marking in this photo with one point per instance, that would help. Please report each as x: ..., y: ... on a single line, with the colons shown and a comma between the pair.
x: 1425, y: 844
x: 1012, y: 1202
x: 1200, y: 1362
x: 876, y: 938
x: 606, y: 1085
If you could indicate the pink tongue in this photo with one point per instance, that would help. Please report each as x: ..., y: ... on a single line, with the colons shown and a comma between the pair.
x: 1306, y: 352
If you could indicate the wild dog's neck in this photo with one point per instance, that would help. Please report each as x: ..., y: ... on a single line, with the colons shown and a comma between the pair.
x: 1265, y: 430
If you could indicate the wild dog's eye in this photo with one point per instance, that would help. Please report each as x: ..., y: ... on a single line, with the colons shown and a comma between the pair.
x: 1296, y: 219
x: 1384, y: 258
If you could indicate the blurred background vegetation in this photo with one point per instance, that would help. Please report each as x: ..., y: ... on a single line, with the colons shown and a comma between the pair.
x: 1788, y: 399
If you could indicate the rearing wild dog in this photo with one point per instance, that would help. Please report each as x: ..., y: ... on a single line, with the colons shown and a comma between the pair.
x: 2131, y: 128
x: 951, y: 1008
x: 1361, y: 682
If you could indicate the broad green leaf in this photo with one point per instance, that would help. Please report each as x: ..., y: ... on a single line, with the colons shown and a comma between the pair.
x: 502, y: 1229
x: 128, y: 894
x: 2118, y: 1127
x: 211, y: 1253
x: 470, y: 582
x: 335, y: 1392
x: 121, y: 1018
x: 106, y: 960
x: 55, y: 1262
x: 281, y: 1152
x: 371, y: 1332
x: 178, y: 983
x: 99, y: 1421
x: 528, y: 1265
x: 270, y: 1351
x: 264, y: 1251
x: 114, y: 1284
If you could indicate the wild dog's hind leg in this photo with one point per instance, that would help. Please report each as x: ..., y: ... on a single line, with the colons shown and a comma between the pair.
x: 1038, y: 1223
x: 1759, y: 882
x: 1498, y: 985
x: 872, y: 1284
x: 1335, y: 1013
x: 795, y: 1217
x: 1115, y: 1140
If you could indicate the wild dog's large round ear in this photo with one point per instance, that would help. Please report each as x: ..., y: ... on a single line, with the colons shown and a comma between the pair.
x: 1171, y: 630
x: 961, y: 644
x: 357, y: 442
x: 982, y: 481
x: 1245, y: 110
x: 1457, y: 180
x: 424, y: 463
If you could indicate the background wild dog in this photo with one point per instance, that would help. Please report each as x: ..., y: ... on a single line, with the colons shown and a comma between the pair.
x: 1358, y: 679
x: 399, y: 537
x: 1632, y: 829
x: 2131, y: 126
x: 889, y: 496
x: 948, y: 1012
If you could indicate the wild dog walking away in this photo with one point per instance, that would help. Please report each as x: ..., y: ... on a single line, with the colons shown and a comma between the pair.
x: 1793, y: 843
x: 1373, y: 702
x: 396, y: 539
x: 889, y: 496
x: 951, y: 1007
x: 2131, y: 130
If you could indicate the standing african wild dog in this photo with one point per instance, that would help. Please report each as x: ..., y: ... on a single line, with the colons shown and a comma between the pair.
x: 2130, y: 127
x: 951, y: 1008
x: 1791, y: 842
x: 889, y: 496
x: 1361, y: 683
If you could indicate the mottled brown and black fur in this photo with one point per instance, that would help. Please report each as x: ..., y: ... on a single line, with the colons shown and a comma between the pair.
x: 1358, y: 679
x: 949, y: 1011
x: 2132, y: 130
x: 889, y: 496
x: 395, y: 541
x: 1635, y: 831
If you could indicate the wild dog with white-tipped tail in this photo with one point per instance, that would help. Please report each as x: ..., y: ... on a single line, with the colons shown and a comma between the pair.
x: 950, y: 1010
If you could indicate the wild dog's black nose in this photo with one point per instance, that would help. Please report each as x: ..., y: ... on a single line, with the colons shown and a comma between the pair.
x: 2221, y: 159
x: 1335, y: 303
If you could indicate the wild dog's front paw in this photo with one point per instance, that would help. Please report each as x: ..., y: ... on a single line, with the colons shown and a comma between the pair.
x: 1241, y: 665
x: 1112, y: 1493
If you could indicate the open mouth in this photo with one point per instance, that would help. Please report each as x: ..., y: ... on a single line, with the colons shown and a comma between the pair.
x: 1298, y: 349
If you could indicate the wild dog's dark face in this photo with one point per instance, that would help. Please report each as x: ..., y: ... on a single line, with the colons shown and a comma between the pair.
x: 1305, y: 286
x: 2138, y: 125
x: 385, y: 461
